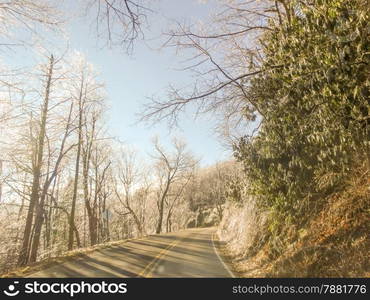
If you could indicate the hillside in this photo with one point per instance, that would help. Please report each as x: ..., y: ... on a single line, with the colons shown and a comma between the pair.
x: 333, y: 242
x: 303, y: 206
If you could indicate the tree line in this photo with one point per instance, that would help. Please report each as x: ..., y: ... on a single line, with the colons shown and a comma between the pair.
x: 66, y: 183
x: 288, y: 82
x: 296, y: 71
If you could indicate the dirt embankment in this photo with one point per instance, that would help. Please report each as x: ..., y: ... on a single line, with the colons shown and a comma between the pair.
x: 332, y: 242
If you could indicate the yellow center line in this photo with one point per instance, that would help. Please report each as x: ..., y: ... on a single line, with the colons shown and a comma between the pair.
x: 147, y: 272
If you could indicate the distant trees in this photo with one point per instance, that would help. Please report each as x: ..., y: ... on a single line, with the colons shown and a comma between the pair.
x: 57, y: 129
x: 211, y: 187
x: 64, y: 186
x: 130, y: 177
x: 170, y: 168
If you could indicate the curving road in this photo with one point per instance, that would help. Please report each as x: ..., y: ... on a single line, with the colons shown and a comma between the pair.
x: 187, y: 253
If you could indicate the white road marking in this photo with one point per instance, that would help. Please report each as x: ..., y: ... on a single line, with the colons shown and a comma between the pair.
x: 231, y: 273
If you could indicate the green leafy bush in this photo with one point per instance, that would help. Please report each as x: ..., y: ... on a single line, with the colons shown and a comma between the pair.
x: 314, y: 94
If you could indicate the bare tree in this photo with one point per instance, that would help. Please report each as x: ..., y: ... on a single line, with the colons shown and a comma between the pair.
x: 96, y: 164
x: 175, y: 196
x: 77, y: 166
x: 39, y: 218
x: 170, y: 168
x: 30, y: 16
x: 223, y: 56
x: 84, y: 90
x: 141, y: 198
x: 38, y: 155
x: 129, y: 177
x: 119, y: 21
x: 50, y: 146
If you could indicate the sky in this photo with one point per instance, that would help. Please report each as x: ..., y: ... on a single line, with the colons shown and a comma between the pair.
x: 131, y: 79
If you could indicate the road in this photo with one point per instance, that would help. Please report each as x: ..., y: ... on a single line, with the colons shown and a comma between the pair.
x: 187, y: 253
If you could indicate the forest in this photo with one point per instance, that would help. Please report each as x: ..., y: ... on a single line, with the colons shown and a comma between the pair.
x: 287, y: 84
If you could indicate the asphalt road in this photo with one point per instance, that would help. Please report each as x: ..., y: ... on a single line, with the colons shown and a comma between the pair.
x: 187, y: 253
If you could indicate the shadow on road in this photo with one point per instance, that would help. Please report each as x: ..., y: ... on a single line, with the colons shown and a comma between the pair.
x: 188, y: 254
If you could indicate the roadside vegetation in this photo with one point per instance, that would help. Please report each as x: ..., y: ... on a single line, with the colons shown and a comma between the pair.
x: 298, y: 71
x: 307, y: 168
x: 288, y: 85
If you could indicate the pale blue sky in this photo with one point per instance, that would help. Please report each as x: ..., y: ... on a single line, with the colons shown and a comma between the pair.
x: 131, y: 79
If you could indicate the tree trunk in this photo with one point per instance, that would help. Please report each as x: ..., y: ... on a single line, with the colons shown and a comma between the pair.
x: 136, y: 220
x: 39, y: 220
x: 161, y: 206
x: 34, y: 198
x: 168, y: 221
x: 160, y: 217
x: 77, y: 171
x: 92, y: 224
x: 107, y: 227
x: 86, y: 165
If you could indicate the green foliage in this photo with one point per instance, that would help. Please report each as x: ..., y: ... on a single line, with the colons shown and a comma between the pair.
x: 314, y: 94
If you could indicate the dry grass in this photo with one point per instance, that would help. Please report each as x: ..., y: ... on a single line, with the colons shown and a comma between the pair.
x: 333, y: 243
x: 243, y: 230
